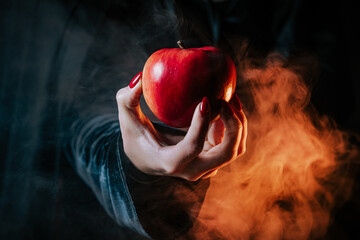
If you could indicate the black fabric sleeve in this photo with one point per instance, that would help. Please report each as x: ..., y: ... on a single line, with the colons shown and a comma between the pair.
x: 152, y: 206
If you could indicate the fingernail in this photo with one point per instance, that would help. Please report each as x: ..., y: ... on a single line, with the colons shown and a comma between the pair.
x: 235, y: 101
x: 227, y: 109
x: 135, y: 80
x: 205, y: 106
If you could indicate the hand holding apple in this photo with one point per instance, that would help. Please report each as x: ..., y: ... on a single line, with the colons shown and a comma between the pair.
x: 199, y: 154
x: 176, y: 80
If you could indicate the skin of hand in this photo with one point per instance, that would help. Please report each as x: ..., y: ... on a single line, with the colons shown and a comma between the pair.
x: 204, y: 149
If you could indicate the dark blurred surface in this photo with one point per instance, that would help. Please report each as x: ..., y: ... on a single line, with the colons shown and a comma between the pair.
x: 62, y: 59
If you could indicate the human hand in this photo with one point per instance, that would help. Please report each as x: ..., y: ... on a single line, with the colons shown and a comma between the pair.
x: 199, y: 154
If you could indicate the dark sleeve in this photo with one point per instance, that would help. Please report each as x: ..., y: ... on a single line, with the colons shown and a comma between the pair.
x: 152, y: 206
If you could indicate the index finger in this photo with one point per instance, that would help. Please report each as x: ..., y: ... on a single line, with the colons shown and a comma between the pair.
x: 179, y: 155
x: 221, y: 154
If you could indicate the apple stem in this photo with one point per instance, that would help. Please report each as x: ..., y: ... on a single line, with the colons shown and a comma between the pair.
x: 181, y: 45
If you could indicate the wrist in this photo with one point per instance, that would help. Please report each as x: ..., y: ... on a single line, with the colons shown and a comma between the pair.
x: 131, y: 170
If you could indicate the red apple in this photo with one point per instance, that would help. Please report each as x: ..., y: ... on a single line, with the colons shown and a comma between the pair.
x: 175, y: 81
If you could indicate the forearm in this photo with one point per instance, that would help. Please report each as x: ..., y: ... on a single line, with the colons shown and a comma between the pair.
x: 166, y: 206
x: 93, y: 154
x: 158, y: 206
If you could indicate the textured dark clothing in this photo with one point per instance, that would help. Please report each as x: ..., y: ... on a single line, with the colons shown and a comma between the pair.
x: 152, y: 206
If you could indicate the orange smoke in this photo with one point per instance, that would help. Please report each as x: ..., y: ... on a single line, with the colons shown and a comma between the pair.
x: 294, y: 170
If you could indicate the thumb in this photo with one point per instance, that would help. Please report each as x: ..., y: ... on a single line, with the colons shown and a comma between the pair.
x: 129, y: 97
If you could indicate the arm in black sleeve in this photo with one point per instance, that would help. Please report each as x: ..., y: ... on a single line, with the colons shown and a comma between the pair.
x: 152, y: 206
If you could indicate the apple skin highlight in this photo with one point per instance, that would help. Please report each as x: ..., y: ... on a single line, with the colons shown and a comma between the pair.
x: 175, y: 81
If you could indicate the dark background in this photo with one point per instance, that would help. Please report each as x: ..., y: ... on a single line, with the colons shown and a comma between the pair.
x: 61, y: 60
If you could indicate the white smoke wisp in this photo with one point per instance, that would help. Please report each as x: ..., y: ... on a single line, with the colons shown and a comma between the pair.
x: 293, y: 173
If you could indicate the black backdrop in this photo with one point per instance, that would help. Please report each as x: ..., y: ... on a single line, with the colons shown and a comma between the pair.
x: 63, y: 59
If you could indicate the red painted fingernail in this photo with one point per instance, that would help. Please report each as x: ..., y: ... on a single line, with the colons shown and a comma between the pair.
x: 205, y: 106
x: 135, y: 80
x: 235, y: 101
x: 227, y: 108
